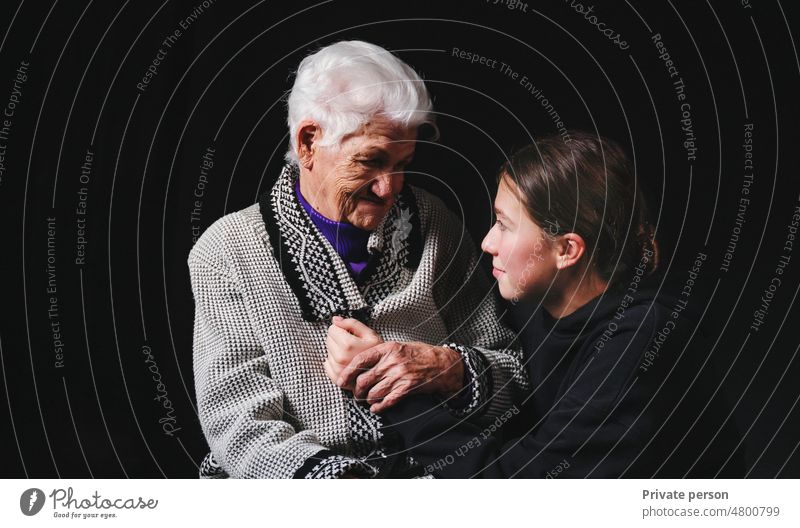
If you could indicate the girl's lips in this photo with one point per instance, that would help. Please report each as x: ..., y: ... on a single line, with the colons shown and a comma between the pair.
x: 497, y: 272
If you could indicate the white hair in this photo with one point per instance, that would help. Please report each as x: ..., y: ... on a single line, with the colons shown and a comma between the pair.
x: 345, y: 84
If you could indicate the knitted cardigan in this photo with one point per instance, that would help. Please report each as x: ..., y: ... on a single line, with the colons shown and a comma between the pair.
x: 266, y: 284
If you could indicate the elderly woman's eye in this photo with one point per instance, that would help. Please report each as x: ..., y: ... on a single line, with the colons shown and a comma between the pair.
x: 370, y: 162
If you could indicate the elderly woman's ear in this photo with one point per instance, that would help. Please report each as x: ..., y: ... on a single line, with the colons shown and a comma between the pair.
x: 308, y: 134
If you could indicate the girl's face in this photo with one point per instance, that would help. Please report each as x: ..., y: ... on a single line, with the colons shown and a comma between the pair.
x: 524, y: 259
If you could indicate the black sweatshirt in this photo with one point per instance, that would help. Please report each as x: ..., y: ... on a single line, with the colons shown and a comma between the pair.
x: 619, y: 389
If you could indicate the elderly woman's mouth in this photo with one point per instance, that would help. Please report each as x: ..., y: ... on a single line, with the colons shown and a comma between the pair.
x: 374, y: 201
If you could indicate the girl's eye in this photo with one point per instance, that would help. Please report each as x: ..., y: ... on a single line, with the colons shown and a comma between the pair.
x: 500, y: 225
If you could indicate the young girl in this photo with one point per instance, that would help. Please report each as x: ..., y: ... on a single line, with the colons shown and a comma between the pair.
x: 620, y: 385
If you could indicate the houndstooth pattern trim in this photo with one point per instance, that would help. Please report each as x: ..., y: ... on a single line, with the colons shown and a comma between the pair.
x: 365, y: 429
x: 368, y: 442
x: 334, y: 466
x: 402, y: 230
x: 317, y: 275
x: 308, y: 262
x: 210, y: 469
x: 478, y: 383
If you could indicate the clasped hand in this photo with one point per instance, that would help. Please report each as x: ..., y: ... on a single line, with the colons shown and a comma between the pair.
x: 383, y: 372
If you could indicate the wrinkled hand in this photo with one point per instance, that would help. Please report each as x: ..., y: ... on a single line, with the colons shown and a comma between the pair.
x: 389, y: 371
x: 346, y: 339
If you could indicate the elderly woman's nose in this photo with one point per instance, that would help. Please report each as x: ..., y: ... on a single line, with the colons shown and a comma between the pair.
x: 384, y: 185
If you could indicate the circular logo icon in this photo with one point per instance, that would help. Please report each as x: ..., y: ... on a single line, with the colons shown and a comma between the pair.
x: 31, y: 501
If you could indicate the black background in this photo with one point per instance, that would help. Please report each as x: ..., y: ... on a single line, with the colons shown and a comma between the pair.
x: 221, y: 86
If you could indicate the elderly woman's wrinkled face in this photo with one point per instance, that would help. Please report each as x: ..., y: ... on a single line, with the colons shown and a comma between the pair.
x: 358, y: 180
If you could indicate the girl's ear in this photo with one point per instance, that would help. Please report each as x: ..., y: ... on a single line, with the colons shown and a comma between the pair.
x: 570, y: 247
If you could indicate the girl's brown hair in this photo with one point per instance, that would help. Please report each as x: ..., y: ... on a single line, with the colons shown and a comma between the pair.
x: 585, y: 184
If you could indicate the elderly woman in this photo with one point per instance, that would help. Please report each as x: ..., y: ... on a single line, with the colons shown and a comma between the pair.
x: 340, y: 235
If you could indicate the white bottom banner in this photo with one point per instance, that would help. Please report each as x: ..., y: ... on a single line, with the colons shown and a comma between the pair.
x: 490, y: 503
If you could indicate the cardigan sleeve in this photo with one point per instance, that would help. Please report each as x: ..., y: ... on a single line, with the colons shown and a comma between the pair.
x: 491, y: 354
x: 240, y: 406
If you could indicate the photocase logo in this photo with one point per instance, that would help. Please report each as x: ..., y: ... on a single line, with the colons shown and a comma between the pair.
x: 31, y: 501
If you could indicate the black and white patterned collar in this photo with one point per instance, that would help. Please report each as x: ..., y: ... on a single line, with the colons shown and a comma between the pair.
x: 315, y: 272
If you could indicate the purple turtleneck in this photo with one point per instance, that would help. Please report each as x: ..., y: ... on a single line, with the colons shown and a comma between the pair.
x: 349, y: 241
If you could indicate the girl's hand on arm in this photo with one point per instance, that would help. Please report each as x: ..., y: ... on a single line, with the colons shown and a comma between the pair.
x: 346, y: 339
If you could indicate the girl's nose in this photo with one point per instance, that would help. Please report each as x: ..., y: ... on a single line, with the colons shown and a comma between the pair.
x: 488, y: 244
